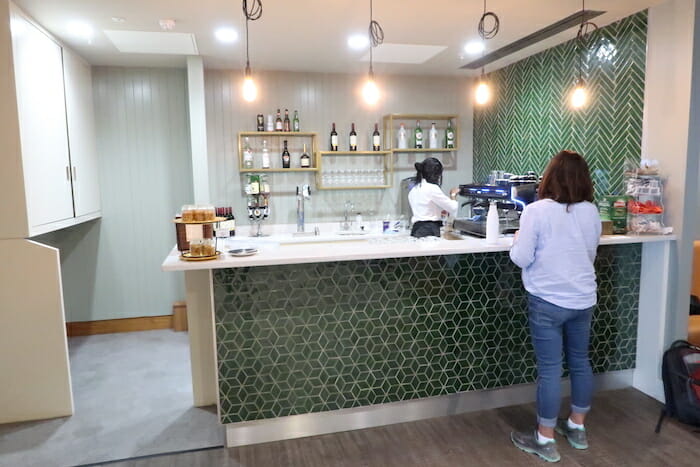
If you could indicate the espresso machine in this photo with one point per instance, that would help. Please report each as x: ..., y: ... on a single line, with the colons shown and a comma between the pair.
x: 511, y: 193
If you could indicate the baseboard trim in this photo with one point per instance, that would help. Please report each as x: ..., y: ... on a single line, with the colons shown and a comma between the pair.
x: 319, y: 423
x: 111, y: 326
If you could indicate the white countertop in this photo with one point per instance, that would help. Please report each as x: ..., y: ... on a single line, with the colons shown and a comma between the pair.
x: 281, y: 248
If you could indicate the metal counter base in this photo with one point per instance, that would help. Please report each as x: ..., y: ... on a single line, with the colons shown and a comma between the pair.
x: 314, y: 424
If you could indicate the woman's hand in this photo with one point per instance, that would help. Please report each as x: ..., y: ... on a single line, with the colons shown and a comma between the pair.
x: 454, y: 192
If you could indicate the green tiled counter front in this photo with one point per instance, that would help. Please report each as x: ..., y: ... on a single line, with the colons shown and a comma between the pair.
x: 296, y: 339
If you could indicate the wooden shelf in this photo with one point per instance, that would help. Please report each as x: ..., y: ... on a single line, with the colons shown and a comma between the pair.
x: 354, y: 153
x: 368, y: 187
x: 278, y: 133
x: 420, y: 117
x: 313, y: 169
x: 426, y: 150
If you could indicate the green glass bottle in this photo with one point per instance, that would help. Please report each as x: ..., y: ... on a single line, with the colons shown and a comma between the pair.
x: 295, y: 122
x: 418, y: 136
x: 449, y: 135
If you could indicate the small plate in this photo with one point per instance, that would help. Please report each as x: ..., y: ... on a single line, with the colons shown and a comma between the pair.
x: 243, y: 251
x: 186, y: 256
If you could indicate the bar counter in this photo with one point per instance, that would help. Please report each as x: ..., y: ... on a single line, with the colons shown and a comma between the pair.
x: 323, y: 335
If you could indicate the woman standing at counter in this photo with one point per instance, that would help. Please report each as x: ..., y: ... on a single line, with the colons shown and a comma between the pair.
x: 428, y: 201
x: 556, y: 247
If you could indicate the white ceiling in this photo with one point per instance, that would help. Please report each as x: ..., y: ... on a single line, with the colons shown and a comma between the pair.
x: 311, y: 35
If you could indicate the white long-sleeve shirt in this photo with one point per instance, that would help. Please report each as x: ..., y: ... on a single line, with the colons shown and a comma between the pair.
x: 428, y: 201
x: 556, y: 250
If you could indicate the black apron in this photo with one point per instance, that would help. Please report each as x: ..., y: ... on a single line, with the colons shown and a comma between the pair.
x: 426, y: 229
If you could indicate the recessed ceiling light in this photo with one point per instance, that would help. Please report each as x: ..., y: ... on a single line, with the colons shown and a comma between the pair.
x: 80, y: 29
x: 358, y: 41
x: 118, y: 19
x: 226, y: 35
x: 474, y: 47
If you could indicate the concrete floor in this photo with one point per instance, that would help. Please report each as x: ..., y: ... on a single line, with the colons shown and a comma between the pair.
x: 133, y: 397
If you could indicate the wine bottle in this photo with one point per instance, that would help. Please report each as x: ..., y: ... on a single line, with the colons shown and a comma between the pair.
x: 353, y: 138
x: 305, y: 160
x: 265, y: 156
x: 278, y: 121
x: 260, y: 119
x: 433, y: 137
x: 285, y: 156
x: 376, y: 140
x: 334, y: 139
x: 418, y: 134
x: 231, y: 222
x: 287, y: 123
x: 402, y: 138
x: 247, y: 155
x: 295, y: 122
x: 449, y: 135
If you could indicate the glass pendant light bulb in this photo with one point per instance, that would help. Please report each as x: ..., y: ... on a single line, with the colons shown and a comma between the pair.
x: 370, y: 91
x: 579, y: 96
x: 250, y: 90
x: 483, y: 93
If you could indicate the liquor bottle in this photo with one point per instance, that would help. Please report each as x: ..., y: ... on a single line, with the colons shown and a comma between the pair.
x: 278, y: 121
x: 254, y: 184
x: 334, y: 139
x: 287, y: 123
x: 265, y: 156
x: 353, y: 138
x: 230, y: 222
x: 403, y: 138
x: 285, y: 156
x: 270, y: 124
x: 261, y: 122
x: 305, y: 160
x: 295, y: 122
x: 247, y: 155
x: 433, y: 137
x: 264, y: 184
x: 376, y: 140
x: 449, y: 136
x: 418, y: 134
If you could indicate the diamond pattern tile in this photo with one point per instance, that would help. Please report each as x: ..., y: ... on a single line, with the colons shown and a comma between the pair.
x: 529, y: 119
x: 306, y: 338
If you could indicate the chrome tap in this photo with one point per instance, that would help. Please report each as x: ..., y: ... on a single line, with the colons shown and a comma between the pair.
x: 303, y: 193
x: 346, y: 223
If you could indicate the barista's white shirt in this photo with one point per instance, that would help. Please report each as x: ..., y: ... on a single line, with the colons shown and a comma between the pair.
x: 428, y: 201
x: 556, y: 248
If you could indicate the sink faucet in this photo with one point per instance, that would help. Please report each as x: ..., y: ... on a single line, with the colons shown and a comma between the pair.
x: 346, y: 222
x: 302, y: 194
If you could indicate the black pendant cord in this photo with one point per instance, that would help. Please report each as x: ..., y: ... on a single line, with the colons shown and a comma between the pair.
x: 485, y: 31
x: 252, y: 12
x: 584, y: 29
x: 376, y: 36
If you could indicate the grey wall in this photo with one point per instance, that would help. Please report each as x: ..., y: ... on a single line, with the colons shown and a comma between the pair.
x: 322, y: 99
x: 111, y: 267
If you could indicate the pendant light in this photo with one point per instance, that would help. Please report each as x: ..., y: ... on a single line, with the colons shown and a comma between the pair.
x: 483, y: 90
x: 370, y: 91
x: 579, y: 95
x: 251, y: 12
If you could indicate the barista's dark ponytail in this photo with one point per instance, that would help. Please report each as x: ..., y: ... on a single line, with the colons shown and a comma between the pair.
x: 429, y: 170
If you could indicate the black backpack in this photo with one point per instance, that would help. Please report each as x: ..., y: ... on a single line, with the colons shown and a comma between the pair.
x: 680, y: 370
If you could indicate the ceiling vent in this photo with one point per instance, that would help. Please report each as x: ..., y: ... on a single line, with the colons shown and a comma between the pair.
x: 404, y: 53
x: 146, y: 42
x: 535, y: 37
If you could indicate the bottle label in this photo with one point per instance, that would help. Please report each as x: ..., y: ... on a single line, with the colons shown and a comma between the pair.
x: 254, y: 188
x: 266, y: 161
x: 353, y: 140
x: 375, y: 140
x: 296, y: 125
x: 305, y: 162
x: 278, y: 126
x: 334, y: 140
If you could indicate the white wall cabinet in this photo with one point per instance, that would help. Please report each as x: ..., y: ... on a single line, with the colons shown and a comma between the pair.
x: 58, y: 156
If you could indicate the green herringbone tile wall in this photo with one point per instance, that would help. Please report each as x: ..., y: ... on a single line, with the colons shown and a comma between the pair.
x: 529, y: 119
x: 295, y: 339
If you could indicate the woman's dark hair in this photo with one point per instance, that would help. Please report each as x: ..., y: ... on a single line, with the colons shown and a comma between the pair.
x: 429, y: 170
x: 567, y: 179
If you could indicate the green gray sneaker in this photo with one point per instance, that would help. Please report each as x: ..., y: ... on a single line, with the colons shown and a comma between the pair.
x: 576, y: 437
x: 528, y: 443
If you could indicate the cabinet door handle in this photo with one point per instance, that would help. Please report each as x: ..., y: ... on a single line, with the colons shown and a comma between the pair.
x: 74, y: 172
x: 68, y: 173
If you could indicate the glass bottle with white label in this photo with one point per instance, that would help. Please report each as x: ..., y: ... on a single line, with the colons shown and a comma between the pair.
x: 353, y: 138
x: 418, y: 136
x: 449, y: 135
x: 247, y: 155
x: 402, y: 138
x: 265, y: 155
x: 305, y: 160
x: 376, y: 139
x: 433, y: 137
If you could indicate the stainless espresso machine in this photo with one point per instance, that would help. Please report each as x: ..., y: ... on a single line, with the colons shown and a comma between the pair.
x: 511, y: 193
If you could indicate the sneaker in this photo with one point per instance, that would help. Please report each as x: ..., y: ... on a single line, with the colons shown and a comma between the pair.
x: 528, y: 443
x: 575, y: 436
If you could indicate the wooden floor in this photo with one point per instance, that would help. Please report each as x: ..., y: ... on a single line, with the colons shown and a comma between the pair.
x: 620, y: 431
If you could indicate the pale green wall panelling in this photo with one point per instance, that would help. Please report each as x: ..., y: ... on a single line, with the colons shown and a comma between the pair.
x: 111, y: 267
x: 322, y: 99
x: 530, y: 119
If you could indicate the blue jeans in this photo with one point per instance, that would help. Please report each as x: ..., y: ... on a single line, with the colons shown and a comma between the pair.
x: 554, y: 329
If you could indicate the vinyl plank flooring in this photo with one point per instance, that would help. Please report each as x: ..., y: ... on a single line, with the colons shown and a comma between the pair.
x: 621, y: 433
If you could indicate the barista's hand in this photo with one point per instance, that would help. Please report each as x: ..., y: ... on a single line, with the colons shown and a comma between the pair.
x: 454, y: 192
x: 515, y: 235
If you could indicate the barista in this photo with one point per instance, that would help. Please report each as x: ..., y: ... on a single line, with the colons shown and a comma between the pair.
x: 427, y: 200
